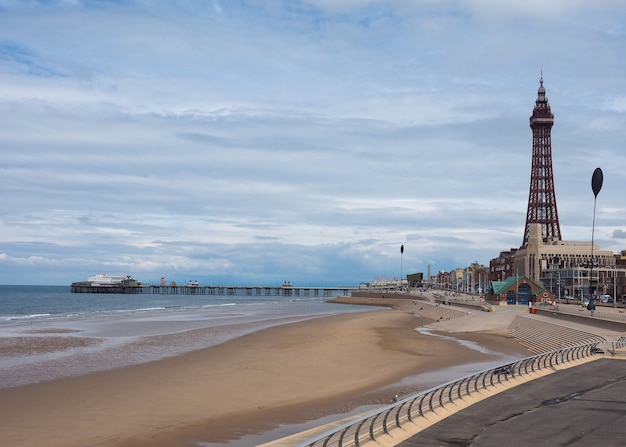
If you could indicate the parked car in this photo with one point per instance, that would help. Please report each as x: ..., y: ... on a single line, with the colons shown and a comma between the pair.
x: 606, y: 299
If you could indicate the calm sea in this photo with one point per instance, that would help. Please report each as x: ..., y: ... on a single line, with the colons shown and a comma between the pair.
x: 57, y: 302
x: 47, y: 332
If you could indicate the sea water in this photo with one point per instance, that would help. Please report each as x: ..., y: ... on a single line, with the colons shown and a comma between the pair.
x: 47, y: 332
x: 53, y: 302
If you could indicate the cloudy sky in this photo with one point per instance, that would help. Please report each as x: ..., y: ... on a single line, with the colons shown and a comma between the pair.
x: 255, y: 142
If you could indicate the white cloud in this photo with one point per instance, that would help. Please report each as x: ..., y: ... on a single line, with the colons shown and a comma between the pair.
x: 303, y: 141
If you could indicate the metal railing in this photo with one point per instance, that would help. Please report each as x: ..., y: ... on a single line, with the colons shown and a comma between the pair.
x: 618, y: 346
x: 410, y: 409
x: 609, y: 315
x: 466, y: 300
x: 601, y: 313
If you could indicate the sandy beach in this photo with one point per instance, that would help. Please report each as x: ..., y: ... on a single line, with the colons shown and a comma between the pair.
x: 280, y: 375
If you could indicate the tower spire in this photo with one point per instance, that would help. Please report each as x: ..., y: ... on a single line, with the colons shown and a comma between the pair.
x: 541, y: 197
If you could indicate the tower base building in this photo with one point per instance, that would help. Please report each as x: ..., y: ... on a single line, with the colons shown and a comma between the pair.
x: 565, y: 267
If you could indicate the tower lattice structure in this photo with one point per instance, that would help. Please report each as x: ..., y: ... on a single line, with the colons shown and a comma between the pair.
x: 541, y: 198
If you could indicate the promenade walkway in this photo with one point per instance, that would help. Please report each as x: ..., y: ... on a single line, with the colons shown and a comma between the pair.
x: 588, y: 401
x: 580, y: 406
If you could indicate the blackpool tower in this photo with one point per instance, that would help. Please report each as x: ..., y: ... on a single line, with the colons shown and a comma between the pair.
x: 541, y: 198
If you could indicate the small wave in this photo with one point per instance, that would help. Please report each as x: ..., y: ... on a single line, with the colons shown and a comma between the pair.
x: 219, y: 305
x: 23, y: 317
x: 127, y: 311
x: 148, y: 309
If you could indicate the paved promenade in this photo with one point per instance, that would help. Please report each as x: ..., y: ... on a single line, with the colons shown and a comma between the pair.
x: 581, y: 406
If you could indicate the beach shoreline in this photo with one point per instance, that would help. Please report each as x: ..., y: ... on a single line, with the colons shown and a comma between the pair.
x: 285, y: 374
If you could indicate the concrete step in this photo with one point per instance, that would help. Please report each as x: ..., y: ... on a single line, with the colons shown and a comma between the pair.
x: 539, y: 336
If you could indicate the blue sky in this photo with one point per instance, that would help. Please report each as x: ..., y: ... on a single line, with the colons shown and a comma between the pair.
x: 256, y: 142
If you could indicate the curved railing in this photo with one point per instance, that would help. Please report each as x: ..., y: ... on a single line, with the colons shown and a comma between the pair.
x: 408, y: 410
x: 617, y: 347
x: 609, y: 315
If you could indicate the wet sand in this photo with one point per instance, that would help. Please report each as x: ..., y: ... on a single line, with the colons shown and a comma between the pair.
x: 280, y: 375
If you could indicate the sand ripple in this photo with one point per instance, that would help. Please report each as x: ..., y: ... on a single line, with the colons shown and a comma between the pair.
x: 22, y: 346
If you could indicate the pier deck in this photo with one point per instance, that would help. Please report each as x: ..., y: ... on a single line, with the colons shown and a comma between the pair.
x: 212, y: 290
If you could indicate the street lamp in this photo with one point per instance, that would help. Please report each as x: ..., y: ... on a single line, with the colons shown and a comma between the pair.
x: 556, y: 261
x: 615, y: 286
x: 596, y: 186
x: 401, y: 253
x: 614, y: 268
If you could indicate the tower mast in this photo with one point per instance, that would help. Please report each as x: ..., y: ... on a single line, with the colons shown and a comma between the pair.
x: 541, y: 198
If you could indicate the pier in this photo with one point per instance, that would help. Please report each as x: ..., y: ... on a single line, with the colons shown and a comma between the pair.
x: 278, y: 291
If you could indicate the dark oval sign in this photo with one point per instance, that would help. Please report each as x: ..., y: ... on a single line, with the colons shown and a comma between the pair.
x: 596, y: 181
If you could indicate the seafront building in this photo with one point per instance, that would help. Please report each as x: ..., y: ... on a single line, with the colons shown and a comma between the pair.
x: 544, y: 267
x: 565, y: 268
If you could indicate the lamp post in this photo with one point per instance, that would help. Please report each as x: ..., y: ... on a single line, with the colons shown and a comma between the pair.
x: 401, y: 253
x: 596, y: 185
x: 614, y: 268
x: 557, y: 266
x: 615, y: 287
